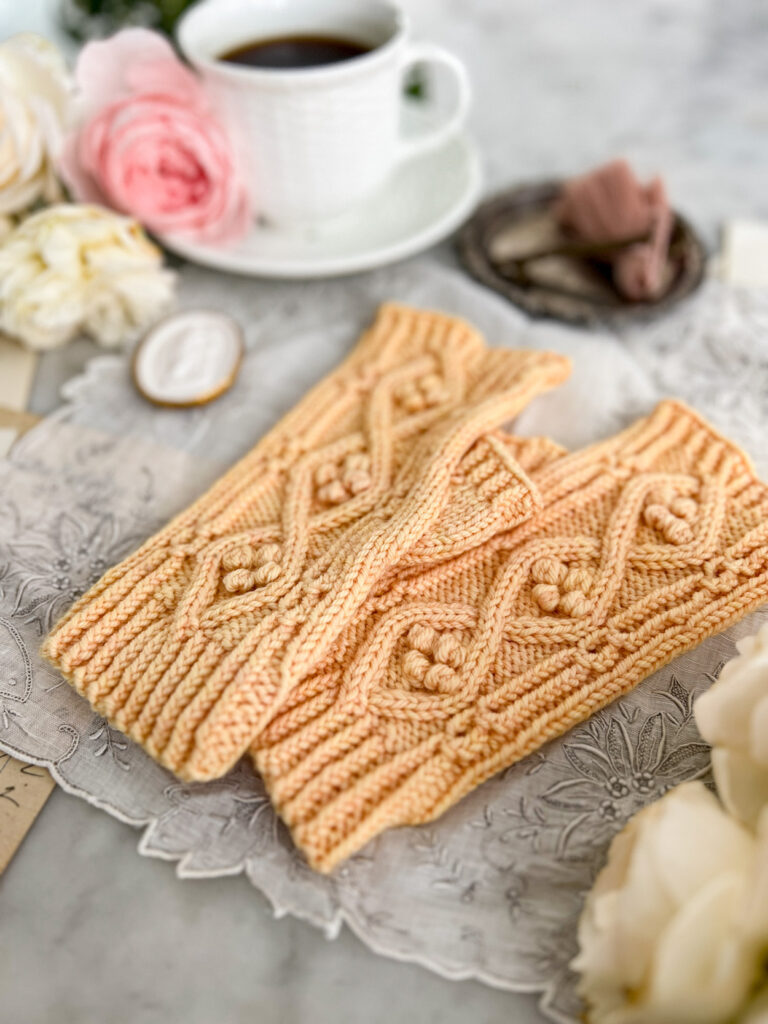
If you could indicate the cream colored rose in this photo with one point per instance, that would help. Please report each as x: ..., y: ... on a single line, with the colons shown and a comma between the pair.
x: 72, y: 269
x: 676, y: 927
x: 35, y: 102
x: 733, y: 716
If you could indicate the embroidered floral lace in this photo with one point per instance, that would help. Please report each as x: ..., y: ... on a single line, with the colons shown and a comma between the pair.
x: 498, y: 881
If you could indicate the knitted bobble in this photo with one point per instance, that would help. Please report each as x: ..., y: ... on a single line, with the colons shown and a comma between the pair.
x: 449, y: 651
x: 547, y: 596
x: 677, y: 531
x: 356, y: 475
x: 326, y: 473
x: 416, y: 395
x: 574, y: 604
x: 270, y: 553
x: 655, y: 516
x: 240, y: 557
x: 416, y: 665
x: 422, y: 638
x: 357, y: 482
x: 685, y: 508
x: 239, y: 580
x: 670, y: 514
x: 548, y: 570
x: 337, y: 483
x: 565, y: 590
x: 441, y: 678
x: 579, y: 579
x: 242, y: 560
x: 333, y: 493
x: 433, y: 659
x: 266, y: 573
x: 673, y: 529
x: 432, y: 389
x: 411, y: 398
x: 357, y: 461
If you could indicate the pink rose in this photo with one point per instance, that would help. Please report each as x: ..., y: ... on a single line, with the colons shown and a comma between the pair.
x: 149, y: 143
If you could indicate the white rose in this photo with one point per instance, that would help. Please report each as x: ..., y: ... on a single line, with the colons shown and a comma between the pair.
x: 733, y: 716
x: 676, y: 926
x: 35, y: 96
x: 74, y: 269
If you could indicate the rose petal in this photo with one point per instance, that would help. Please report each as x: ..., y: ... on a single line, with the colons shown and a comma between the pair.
x: 756, y: 909
x: 724, y: 712
x: 75, y: 175
x: 758, y: 731
x: 741, y: 783
x: 701, y: 972
x: 109, y: 70
x: 693, y: 841
x: 169, y: 79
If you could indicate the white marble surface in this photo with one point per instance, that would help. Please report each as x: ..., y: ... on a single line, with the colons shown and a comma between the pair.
x: 676, y: 85
x: 91, y: 933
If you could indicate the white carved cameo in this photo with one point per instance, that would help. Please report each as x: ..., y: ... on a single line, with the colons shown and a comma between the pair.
x: 189, y: 358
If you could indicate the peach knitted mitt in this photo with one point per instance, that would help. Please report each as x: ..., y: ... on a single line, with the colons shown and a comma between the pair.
x: 458, y: 490
x: 645, y: 545
x: 177, y: 645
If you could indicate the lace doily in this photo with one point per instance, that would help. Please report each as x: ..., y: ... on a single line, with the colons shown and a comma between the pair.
x: 491, y: 890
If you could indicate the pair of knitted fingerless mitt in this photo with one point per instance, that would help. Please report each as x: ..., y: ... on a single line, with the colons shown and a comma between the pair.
x: 389, y: 598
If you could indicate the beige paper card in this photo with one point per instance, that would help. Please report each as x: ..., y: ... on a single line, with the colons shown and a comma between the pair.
x: 19, y: 422
x: 24, y: 788
x: 17, y: 370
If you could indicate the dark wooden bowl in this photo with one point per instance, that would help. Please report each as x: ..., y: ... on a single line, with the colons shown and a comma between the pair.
x: 567, y: 285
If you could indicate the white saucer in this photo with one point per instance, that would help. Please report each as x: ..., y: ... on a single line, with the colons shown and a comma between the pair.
x: 423, y: 202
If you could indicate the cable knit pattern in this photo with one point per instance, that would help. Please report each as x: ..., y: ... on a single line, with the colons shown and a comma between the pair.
x: 390, y: 599
x: 644, y: 545
x: 395, y: 455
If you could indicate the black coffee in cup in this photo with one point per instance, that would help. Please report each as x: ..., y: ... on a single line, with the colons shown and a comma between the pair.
x: 295, y: 52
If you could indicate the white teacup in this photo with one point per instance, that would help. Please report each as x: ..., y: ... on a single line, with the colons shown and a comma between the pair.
x: 319, y: 140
